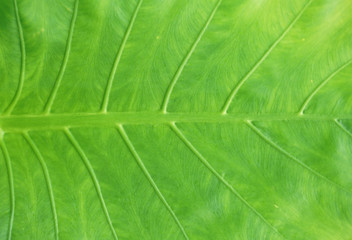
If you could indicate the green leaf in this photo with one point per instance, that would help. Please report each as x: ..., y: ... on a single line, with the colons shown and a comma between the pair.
x: 176, y: 119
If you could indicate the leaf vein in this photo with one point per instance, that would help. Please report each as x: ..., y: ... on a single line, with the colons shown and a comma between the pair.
x: 93, y: 176
x: 280, y: 149
x: 52, y: 96
x: 322, y: 84
x: 221, y: 178
x: 185, y: 60
x: 47, y: 179
x: 19, y: 123
x: 11, y: 185
x: 261, y: 60
x: 18, y: 93
x: 343, y: 127
x: 118, y: 58
x: 140, y: 163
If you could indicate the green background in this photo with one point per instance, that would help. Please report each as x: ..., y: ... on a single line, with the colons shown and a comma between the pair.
x: 176, y: 119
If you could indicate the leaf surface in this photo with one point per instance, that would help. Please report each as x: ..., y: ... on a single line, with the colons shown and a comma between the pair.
x: 176, y: 119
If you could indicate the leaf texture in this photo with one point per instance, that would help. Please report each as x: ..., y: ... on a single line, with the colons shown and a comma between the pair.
x: 176, y: 119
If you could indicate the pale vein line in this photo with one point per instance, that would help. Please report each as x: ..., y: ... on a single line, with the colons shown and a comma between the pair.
x: 343, y: 127
x: 261, y: 60
x: 185, y: 60
x: 58, y: 81
x: 47, y: 179
x: 93, y: 176
x: 11, y: 184
x: 280, y: 149
x: 55, y: 121
x: 149, y: 177
x: 221, y: 178
x: 23, y: 63
x: 322, y: 84
x: 118, y: 58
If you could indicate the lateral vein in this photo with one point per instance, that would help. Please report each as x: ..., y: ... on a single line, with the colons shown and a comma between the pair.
x: 322, y: 84
x: 47, y: 179
x: 58, y: 81
x: 185, y: 60
x: 261, y: 60
x: 140, y: 163
x: 221, y: 178
x: 343, y: 127
x: 18, y: 93
x: 92, y: 175
x: 11, y: 185
x: 280, y: 149
x: 118, y: 58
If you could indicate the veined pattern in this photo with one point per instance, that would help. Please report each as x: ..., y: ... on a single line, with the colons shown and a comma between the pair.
x: 176, y: 119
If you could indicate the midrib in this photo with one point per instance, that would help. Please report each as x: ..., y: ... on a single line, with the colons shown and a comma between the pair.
x: 56, y: 121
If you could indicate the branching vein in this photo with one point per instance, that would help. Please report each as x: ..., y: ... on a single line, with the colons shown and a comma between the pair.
x: 118, y: 58
x: 218, y: 175
x: 322, y: 84
x: 93, y: 176
x: 343, y: 127
x: 149, y: 177
x: 185, y: 60
x: 47, y: 179
x: 11, y: 185
x: 280, y: 149
x: 23, y: 63
x: 58, y: 81
x: 261, y: 60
